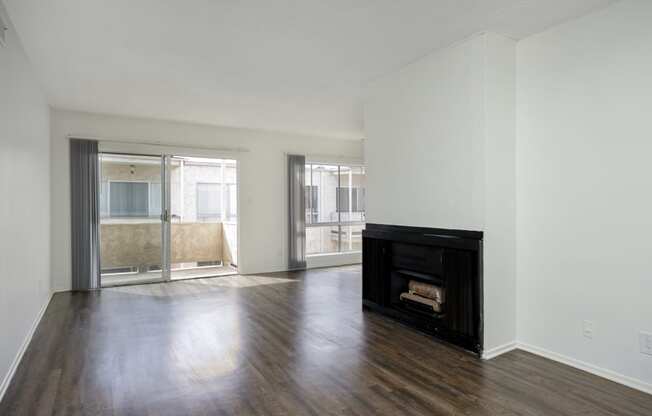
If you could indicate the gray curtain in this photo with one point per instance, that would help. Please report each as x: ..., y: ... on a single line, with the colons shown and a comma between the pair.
x: 84, y: 206
x: 297, y: 212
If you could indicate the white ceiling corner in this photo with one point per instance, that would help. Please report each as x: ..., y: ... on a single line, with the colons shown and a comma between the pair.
x: 285, y: 65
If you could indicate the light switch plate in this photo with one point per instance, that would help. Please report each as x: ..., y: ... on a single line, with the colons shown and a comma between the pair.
x: 645, y: 339
x: 587, y: 329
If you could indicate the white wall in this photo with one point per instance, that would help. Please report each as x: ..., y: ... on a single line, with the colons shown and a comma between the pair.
x: 584, y: 188
x: 575, y: 187
x: 262, y: 178
x: 424, y: 148
x: 24, y: 202
x: 500, y: 192
x: 440, y: 153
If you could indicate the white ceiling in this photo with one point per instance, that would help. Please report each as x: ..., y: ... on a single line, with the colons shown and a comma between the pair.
x: 289, y: 65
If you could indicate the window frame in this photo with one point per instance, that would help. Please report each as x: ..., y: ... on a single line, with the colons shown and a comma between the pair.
x: 339, y: 223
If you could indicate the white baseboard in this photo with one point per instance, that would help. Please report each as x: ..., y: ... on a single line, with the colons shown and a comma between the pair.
x: 21, y: 351
x: 499, y: 350
x: 572, y: 362
x: 589, y: 368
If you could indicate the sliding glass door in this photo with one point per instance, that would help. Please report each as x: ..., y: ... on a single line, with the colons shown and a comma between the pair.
x: 131, y: 220
x: 203, y: 220
x: 166, y: 217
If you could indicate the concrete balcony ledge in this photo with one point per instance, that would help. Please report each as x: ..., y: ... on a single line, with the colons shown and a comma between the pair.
x: 137, y: 243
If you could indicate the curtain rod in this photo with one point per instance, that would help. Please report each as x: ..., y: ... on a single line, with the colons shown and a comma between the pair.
x: 158, y: 144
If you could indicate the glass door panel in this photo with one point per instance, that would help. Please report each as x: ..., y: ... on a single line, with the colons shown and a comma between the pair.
x: 203, y: 217
x: 131, y: 231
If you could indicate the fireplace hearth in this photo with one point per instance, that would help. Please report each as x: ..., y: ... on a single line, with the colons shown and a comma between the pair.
x: 427, y: 278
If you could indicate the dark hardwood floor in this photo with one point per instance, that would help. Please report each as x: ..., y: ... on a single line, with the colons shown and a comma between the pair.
x: 278, y: 344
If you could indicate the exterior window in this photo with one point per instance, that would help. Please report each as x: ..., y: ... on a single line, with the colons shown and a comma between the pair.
x: 312, y: 203
x: 129, y: 199
x: 335, y: 208
x: 154, y: 199
x: 209, y: 204
x: 122, y: 199
x: 354, y: 195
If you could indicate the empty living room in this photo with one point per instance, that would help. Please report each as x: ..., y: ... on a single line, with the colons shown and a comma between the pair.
x: 361, y: 207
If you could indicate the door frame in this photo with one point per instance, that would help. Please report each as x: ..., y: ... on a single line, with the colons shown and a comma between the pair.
x: 166, y: 223
x: 162, y: 278
x: 166, y: 153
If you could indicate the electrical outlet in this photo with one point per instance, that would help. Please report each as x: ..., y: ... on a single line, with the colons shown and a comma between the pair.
x: 645, y: 339
x: 587, y: 329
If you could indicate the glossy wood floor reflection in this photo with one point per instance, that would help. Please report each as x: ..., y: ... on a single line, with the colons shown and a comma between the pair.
x: 280, y: 344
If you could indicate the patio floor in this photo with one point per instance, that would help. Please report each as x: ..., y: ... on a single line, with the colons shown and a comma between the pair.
x: 190, y: 273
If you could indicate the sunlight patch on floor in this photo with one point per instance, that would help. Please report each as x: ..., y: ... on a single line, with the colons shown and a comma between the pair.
x: 196, y: 286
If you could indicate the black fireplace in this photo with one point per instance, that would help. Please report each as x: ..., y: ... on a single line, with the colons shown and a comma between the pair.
x: 427, y: 278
